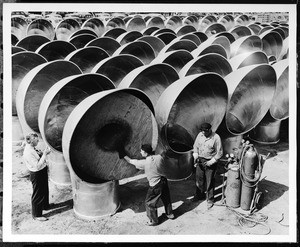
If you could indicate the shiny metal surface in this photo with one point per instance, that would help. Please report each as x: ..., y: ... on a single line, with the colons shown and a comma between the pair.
x: 18, y: 27
x: 115, y: 22
x: 83, y: 31
x: 240, y: 31
x: 265, y: 29
x: 272, y: 43
x: 135, y: 24
x: 226, y: 34
x: 152, y: 79
x: 114, y: 33
x: 22, y: 63
x: 185, y: 29
x: 173, y: 22
x: 248, y: 58
x: 177, y: 59
x: 166, y: 37
x: 15, y: 49
x: 41, y: 27
x: 190, y: 20
x: 128, y: 37
x: 65, y: 28
x: 246, y: 44
x: 117, y: 67
x: 255, y: 28
x: 34, y: 86
x: 101, y: 124
x: 242, y: 20
x: 206, y: 21
x: 94, y: 24
x: 156, y: 43
x: 32, y: 42
x: 180, y: 111
x: 155, y: 21
x: 192, y: 37
x: 55, y: 50
x: 140, y: 49
x: 206, y: 49
x: 149, y: 30
x: 183, y: 44
x: 86, y: 58
x: 108, y: 44
x: 227, y: 21
x: 285, y: 49
x: 279, y: 109
x: 202, y: 36
x: 14, y: 40
x: 213, y: 29
x: 211, y: 62
x: 251, y: 90
x: 163, y: 30
x: 80, y: 41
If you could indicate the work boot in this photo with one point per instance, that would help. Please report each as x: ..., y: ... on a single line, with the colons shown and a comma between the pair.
x: 151, y: 223
x: 41, y: 218
x: 198, y: 198
x: 170, y: 216
x: 209, y: 204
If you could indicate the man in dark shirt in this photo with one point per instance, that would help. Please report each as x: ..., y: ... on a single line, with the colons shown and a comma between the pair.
x: 207, y: 151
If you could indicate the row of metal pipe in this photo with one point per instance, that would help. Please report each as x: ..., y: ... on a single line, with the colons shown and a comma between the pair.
x: 122, y: 90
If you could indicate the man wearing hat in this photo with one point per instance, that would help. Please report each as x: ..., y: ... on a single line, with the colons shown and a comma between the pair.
x: 158, y: 184
x: 207, y: 151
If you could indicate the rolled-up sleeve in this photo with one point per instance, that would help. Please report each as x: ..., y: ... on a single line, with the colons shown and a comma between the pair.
x: 139, y: 164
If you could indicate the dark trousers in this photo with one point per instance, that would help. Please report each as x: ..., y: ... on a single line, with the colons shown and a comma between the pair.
x: 160, y: 190
x: 205, y: 180
x: 40, y: 193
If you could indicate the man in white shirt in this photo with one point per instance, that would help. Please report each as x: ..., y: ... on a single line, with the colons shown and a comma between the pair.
x: 35, y: 161
x: 158, y: 184
x: 207, y: 150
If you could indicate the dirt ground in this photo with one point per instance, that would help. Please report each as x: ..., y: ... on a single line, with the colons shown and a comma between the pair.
x: 192, y: 218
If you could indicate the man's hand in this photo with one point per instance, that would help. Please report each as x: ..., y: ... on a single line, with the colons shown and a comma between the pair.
x: 210, y: 162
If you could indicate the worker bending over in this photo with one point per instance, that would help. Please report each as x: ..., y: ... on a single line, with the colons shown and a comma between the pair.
x: 158, y: 184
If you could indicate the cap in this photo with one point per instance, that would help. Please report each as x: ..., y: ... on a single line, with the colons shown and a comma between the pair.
x: 205, y: 126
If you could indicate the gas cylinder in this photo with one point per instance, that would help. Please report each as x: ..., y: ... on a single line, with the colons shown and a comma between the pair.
x: 248, y: 167
x: 233, y: 186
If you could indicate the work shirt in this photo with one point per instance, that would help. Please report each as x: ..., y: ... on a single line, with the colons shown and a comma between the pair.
x: 151, y: 165
x: 208, y: 147
x: 31, y: 159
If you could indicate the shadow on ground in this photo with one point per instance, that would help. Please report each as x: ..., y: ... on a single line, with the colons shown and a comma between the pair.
x: 58, y: 208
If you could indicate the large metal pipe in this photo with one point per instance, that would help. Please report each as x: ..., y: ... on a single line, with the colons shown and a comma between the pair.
x: 115, y: 22
x: 268, y: 130
x: 180, y: 111
x: 94, y: 24
x: 206, y: 21
x: 226, y: 34
x: 246, y: 44
x: 55, y: 50
x: 251, y: 90
x: 152, y: 79
x: 255, y: 28
x: 183, y: 44
x: 22, y: 63
x: 248, y: 58
x: 163, y: 30
x: 206, y: 49
x: 103, y: 123
x: 211, y: 62
x: 166, y: 37
x: 156, y: 43
x: 140, y: 49
x: 177, y: 59
x: 83, y: 31
x: 227, y: 21
x: 128, y: 37
x: 114, y: 33
x: 41, y: 27
x: 149, y: 30
x: 185, y: 29
x: 34, y: 86
x: 155, y: 21
x: 272, y: 43
x: 190, y: 20
x: 80, y: 41
x: 173, y: 22
x: 86, y: 58
x: 192, y: 37
x: 135, y: 24
x: 240, y: 31
x: 117, y: 67
x: 18, y: 27
x: 56, y: 106
x: 32, y: 42
x: 108, y: 44
x: 213, y: 29
x: 65, y: 28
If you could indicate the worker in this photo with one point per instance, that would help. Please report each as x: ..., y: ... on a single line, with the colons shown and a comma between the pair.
x: 35, y: 161
x: 207, y: 150
x: 158, y: 189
